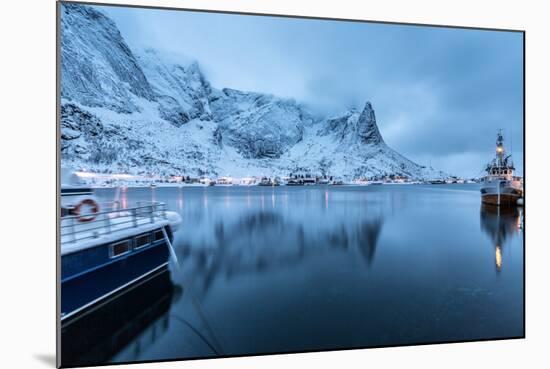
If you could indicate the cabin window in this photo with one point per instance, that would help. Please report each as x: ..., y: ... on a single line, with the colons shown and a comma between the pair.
x: 159, y: 235
x: 143, y: 240
x: 120, y: 248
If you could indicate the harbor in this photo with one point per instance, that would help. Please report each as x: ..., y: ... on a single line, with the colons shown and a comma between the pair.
x: 196, y: 244
x: 114, y: 180
x: 372, y: 258
x: 297, y: 196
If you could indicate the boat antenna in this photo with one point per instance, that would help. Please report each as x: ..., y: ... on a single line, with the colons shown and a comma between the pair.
x: 512, y: 149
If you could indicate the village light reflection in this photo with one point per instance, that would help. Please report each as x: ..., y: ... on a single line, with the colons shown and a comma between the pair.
x: 205, y: 199
x: 124, y: 197
x: 262, y: 200
x: 180, y: 199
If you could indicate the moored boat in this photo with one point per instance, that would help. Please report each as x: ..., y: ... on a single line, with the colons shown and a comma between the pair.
x: 323, y: 181
x: 224, y: 181
x: 295, y: 182
x: 308, y: 180
x: 500, y: 186
x: 265, y: 181
x: 106, y: 249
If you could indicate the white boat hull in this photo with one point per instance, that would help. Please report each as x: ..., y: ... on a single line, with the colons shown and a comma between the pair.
x: 501, y: 192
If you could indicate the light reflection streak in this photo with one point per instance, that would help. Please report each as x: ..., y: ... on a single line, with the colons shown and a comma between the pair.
x: 498, y: 257
x: 123, y: 197
x: 180, y: 199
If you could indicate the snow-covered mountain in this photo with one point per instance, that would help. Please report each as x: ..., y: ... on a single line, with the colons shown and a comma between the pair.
x: 97, y: 66
x: 146, y: 111
x: 178, y: 85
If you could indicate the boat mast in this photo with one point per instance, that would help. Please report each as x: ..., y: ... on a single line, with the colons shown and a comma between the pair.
x: 500, y: 149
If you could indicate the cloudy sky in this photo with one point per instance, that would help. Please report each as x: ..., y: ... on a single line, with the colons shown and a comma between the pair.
x: 440, y: 94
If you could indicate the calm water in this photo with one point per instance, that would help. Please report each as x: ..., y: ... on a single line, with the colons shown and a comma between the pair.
x: 306, y: 268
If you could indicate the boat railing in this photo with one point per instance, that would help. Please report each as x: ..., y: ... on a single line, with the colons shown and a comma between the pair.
x: 76, y: 228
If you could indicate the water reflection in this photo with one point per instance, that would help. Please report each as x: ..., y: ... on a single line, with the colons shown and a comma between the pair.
x: 265, y: 240
x: 136, y: 319
x: 284, y: 269
x: 500, y: 224
x: 180, y: 199
x: 368, y: 236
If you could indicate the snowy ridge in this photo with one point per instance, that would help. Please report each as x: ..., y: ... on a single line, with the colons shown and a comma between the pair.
x: 97, y: 66
x: 178, y: 85
x: 145, y: 111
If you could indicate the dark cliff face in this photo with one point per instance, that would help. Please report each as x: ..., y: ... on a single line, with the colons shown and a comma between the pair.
x: 367, y: 129
x: 257, y: 125
x: 353, y: 127
x: 97, y: 66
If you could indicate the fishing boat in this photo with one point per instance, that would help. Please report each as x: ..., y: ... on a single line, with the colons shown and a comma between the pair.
x: 106, y: 249
x: 295, y: 182
x: 265, y: 181
x: 224, y: 181
x: 323, y: 180
x: 308, y: 180
x: 500, y: 186
x: 205, y: 181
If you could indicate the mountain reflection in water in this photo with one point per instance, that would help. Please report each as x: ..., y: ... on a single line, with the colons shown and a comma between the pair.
x: 267, y: 270
x: 262, y: 241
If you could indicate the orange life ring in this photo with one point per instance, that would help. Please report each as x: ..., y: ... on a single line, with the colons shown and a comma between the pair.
x: 86, y: 218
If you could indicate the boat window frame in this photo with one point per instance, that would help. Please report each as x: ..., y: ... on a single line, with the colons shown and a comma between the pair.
x: 148, y: 243
x: 112, y: 248
x: 155, y: 233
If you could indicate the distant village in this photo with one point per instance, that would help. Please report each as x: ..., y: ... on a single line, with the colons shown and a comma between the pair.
x: 293, y: 179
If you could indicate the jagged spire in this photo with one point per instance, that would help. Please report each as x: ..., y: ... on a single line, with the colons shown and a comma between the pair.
x: 366, y: 126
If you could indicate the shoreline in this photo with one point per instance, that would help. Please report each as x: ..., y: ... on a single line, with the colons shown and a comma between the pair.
x: 171, y: 185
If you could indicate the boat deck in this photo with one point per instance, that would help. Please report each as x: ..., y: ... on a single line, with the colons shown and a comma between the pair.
x: 111, y: 225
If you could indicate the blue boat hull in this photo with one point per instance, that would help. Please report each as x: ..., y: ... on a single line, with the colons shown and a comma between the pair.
x: 91, y: 275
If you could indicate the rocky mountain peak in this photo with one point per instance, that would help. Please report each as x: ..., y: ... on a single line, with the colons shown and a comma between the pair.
x: 367, y: 129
